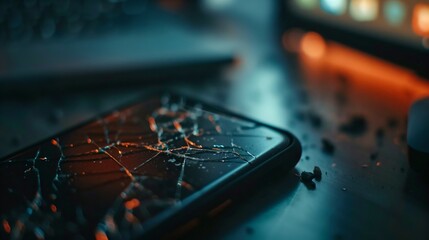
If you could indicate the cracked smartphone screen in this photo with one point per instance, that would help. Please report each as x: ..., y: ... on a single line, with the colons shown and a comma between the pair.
x: 111, y: 177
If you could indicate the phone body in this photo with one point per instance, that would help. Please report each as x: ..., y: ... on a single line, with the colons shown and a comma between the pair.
x: 140, y: 171
x: 395, y: 30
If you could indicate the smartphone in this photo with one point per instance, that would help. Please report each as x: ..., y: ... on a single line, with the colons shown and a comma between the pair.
x: 142, y: 170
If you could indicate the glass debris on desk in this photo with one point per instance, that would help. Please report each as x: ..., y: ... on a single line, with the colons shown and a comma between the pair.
x: 307, y: 177
x: 356, y: 126
x: 109, y: 177
x: 327, y: 146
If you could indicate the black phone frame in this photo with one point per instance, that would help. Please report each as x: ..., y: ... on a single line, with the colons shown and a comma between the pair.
x: 202, y: 201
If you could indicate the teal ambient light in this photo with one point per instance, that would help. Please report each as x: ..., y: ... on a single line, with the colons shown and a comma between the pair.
x: 394, y: 12
x: 335, y: 7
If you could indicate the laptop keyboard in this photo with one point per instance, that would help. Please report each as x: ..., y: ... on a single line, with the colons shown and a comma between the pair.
x: 41, y: 20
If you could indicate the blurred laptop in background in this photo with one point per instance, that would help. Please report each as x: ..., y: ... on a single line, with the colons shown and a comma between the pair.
x: 70, y: 43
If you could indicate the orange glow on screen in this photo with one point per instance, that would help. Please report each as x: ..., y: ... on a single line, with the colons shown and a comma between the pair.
x: 133, y: 203
x: 100, y: 235
x: 6, y: 226
x: 53, y: 208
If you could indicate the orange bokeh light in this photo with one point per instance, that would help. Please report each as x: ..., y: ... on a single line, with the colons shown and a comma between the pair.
x: 421, y: 19
x: 291, y: 40
x: 313, y: 45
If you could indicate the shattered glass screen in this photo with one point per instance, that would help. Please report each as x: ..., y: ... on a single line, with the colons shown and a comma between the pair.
x: 110, y: 177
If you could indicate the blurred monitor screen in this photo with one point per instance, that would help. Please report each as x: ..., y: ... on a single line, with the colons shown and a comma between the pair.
x: 405, y: 22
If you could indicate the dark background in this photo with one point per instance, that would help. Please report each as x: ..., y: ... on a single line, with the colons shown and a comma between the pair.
x: 367, y: 190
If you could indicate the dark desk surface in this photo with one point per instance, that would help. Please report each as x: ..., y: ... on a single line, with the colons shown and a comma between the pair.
x: 367, y: 190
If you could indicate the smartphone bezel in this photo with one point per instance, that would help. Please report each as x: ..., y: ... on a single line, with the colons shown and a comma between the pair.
x: 202, y: 200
